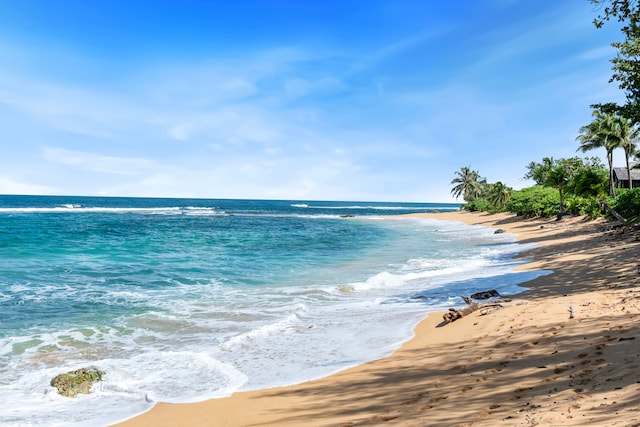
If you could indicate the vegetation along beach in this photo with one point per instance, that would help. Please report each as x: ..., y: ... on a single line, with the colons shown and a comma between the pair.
x: 337, y: 213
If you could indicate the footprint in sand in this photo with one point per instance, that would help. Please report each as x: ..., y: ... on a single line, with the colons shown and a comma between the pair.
x: 385, y: 418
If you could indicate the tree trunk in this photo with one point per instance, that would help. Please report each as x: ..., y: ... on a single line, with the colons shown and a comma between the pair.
x: 612, y: 211
x: 561, y: 203
x: 612, y: 190
x: 626, y: 157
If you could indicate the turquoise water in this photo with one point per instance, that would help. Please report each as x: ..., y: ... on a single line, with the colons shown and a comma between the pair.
x: 181, y: 300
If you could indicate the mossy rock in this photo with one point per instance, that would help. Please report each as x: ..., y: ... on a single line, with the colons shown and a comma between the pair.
x: 74, y: 382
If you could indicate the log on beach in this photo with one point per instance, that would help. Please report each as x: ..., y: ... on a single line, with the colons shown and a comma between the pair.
x: 454, y: 314
x: 488, y: 307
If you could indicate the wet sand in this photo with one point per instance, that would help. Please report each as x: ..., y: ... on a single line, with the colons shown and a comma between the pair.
x: 525, y: 364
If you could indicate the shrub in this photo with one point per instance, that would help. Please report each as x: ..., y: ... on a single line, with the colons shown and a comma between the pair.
x: 535, y: 201
x: 478, y: 205
x: 627, y: 203
x: 584, y: 206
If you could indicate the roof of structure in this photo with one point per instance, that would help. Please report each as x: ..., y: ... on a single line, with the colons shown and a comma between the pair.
x: 621, y: 172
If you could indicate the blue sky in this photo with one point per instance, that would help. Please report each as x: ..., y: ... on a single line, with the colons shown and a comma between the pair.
x: 377, y: 100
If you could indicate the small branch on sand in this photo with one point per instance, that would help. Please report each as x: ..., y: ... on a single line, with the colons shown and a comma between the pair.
x: 485, y: 308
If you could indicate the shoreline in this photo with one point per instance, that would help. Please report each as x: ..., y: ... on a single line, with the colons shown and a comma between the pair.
x: 524, y: 364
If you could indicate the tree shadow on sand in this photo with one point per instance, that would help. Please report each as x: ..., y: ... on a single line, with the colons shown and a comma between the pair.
x: 561, y: 372
x: 507, y: 380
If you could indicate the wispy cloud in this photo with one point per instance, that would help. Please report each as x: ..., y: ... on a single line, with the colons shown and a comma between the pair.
x: 97, y: 162
x: 9, y: 185
x: 598, y: 53
x: 390, y: 115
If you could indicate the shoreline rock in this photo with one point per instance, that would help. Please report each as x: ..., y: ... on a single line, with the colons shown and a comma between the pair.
x: 80, y: 381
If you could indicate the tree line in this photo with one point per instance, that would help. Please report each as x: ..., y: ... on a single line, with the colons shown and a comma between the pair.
x: 580, y: 185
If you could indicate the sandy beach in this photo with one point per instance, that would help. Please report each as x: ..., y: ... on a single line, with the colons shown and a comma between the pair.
x: 527, y: 363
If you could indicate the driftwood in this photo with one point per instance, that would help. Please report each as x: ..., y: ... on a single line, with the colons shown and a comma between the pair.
x: 485, y: 308
x: 454, y: 314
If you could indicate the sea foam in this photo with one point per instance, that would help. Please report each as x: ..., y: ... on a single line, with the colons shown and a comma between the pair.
x: 179, y: 302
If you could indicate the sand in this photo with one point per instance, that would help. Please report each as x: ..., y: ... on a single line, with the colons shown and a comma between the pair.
x: 525, y: 364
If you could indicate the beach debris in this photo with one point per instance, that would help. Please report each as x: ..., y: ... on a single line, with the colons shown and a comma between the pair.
x: 485, y: 294
x: 499, y: 231
x: 79, y: 381
x: 485, y: 308
x: 454, y: 314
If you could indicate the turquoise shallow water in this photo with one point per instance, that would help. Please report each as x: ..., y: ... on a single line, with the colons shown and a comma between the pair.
x: 182, y: 300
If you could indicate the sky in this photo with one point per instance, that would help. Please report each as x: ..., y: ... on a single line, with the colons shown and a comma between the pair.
x: 360, y: 100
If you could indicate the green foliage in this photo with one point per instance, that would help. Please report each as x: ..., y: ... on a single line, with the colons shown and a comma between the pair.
x: 590, y: 181
x: 590, y: 206
x: 534, y: 201
x: 627, y: 203
x: 572, y: 176
x: 477, y: 205
x: 621, y: 9
x: 538, y: 171
x: 626, y: 67
x: 468, y: 184
x: 574, y: 183
x: 498, y: 195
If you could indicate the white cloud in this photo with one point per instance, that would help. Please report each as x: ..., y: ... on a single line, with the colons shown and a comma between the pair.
x: 296, y: 122
x: 97, y: 162
x: 598, y: 53
x: 10, y: 186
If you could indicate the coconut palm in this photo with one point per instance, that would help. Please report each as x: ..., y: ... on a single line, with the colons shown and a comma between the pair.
x: 538, y: 171
x: 591, y: 181
x: 469, y: 184
x: 499, y: 195
x: 559, y: 177
x: 602, y: 132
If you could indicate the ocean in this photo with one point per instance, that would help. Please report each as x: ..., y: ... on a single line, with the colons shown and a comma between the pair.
x: 182, y: 300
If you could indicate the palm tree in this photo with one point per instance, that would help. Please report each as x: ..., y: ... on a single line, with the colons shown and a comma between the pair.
x: 559, y: 177
x: 590, y: 182
x: 538, y: 171
x: 469, y: 184
x: 602, y: 132
x: 499, y: 195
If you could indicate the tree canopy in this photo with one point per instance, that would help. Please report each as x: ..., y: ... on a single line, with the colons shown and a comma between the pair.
x: 580, y: 185
x: 468, y: 184
x: 626, y: 63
